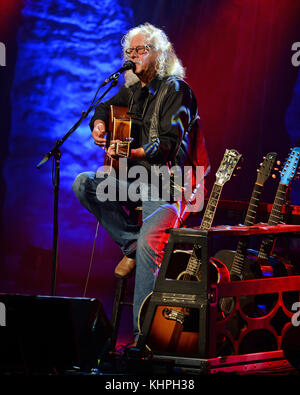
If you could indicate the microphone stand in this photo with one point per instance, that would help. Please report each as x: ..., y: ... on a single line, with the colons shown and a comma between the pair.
x: 55, y: 153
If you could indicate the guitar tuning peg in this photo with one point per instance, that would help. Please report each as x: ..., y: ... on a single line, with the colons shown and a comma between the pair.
x: 260, y: 164
x: 278, y: 162
x: 273, y: 175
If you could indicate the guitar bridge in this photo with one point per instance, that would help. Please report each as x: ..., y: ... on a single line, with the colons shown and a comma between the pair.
x: 122, y: 149
x: 173, y: 315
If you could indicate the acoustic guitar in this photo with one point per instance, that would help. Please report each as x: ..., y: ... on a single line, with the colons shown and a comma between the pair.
x: 168, y: 329
x: 119, y: 129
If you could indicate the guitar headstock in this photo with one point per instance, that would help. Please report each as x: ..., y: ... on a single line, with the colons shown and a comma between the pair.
x: 289, y: 170
x: 229, y: 162
x: 266, y: 168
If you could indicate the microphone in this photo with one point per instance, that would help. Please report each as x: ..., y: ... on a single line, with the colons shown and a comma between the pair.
x: 126, y: 66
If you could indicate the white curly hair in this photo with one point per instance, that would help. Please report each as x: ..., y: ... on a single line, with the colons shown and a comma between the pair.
x: 167, y: 61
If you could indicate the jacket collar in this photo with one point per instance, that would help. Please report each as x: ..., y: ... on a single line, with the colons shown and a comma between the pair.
x: 152, y: 86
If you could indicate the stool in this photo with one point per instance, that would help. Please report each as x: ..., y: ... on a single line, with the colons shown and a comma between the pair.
x: 120, y: 292
x: 119, y: 302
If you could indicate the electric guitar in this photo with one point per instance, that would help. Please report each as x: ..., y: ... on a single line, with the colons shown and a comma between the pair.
x: 247, y: 264
x: 119, y: 129
x: 168, y: 326
x: 235, y: 260
x: 286, y: 177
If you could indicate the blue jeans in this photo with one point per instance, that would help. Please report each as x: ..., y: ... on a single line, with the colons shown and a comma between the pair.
x: 148, y: 241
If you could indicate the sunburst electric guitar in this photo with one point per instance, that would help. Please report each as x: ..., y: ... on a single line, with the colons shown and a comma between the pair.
x: 168, y: 329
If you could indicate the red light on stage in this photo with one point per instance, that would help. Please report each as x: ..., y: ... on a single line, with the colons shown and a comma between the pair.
x: 9, y: 15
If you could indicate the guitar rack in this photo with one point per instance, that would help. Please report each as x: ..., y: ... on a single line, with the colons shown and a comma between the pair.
x: 245, y: 340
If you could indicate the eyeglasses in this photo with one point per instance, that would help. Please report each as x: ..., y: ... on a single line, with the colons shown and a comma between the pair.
x: 140, y: 49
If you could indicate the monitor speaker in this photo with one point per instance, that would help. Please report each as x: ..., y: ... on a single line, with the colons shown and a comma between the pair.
x: 45, y: 333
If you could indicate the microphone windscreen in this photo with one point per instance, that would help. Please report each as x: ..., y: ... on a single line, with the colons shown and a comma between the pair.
x: 129, y: 65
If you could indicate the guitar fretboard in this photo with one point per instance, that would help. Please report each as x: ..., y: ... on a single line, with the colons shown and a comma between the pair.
x: 211, y: 207
x: 194, y: 263
x: 239, y: 257
x: 252, y: 208
x: 274, y: 219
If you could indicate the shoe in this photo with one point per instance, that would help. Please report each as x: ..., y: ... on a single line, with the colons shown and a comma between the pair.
x: 130, y: 349
x: 125, y: 267
x: 131, y: 345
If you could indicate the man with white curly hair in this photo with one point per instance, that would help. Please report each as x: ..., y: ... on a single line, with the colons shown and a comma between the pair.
x: 177, y: 139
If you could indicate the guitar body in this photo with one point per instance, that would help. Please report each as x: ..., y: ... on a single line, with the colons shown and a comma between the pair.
x: 175, y: 328
x: 119, y: 129
x: 253, y: 268
x: 218, y: 270
x: 171, y: 329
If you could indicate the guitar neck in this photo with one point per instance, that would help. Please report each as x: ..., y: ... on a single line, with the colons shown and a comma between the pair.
x: 275, y: 215
x: 239, y: 257
x: 194, y: 262
x: 253, y: 204
x: 193, y: 265
x: 274, y: 219
x: 210, y: 210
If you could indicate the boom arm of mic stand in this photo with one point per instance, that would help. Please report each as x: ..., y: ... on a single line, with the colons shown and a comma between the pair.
x: 56, y: 154
x: 84, y: 114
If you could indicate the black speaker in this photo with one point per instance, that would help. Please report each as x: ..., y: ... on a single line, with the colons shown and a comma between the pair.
x: 51, y: 334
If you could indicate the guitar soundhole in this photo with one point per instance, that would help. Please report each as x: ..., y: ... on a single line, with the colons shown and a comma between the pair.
x: 178, y: 261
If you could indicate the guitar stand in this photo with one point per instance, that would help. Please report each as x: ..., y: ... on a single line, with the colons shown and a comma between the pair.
x: 190, y: 294
x: 249, y: 343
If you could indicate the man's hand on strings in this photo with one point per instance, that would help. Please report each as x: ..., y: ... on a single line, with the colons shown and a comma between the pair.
x: 111, y: 151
